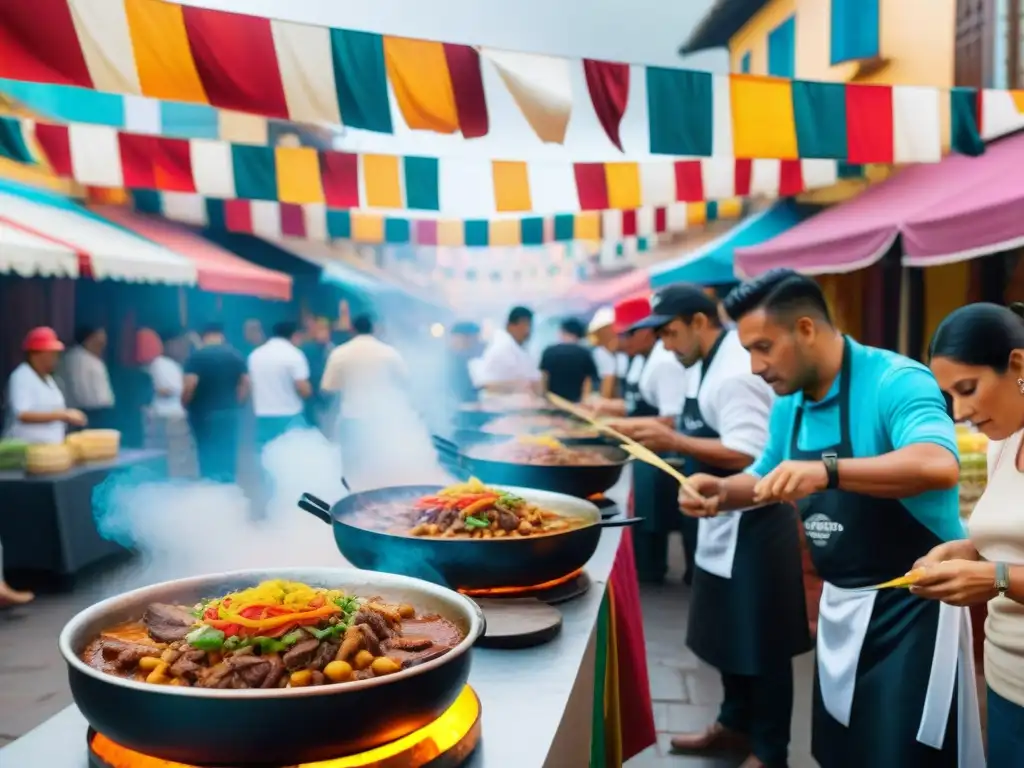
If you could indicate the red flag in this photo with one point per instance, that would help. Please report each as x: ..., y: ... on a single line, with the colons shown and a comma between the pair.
x: 608, y: 83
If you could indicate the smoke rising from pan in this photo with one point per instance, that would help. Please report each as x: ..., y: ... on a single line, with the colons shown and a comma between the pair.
x: 184, y: 528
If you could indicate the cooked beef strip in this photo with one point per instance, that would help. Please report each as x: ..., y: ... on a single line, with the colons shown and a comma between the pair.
x: 187, y: 666
x: 324, y: 655
x: 508, y: 520
x: 410, y: 643
x: 250, y: 670
x: 300, y: 654
x: 370, y: 639
x: 126, y: 655
x: 377, y: 623
x: 218, y: 676
x: 276, y: 672
x: 167, y: 623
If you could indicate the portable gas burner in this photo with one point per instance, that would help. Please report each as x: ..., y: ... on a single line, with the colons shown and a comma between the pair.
x: 448, y: 742
x: 522, y: 617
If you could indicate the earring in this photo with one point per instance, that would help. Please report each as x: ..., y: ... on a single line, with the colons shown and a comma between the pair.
x: 1020, y: 385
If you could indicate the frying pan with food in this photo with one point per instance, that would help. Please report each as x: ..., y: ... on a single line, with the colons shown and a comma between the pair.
x: 583, y: 480
x: 464, y: 563
x: 275, y: 726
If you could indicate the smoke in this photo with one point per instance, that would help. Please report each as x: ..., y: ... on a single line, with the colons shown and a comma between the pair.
x: 182, y: 528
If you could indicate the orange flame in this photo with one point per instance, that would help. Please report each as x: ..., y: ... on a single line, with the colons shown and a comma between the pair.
x: 456, y: 731
x: 521, y: 590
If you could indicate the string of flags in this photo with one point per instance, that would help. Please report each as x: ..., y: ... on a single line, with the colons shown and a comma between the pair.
x: 385, y: 84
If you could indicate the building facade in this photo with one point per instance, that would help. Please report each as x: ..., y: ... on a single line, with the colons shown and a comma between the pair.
x: 989, y: 45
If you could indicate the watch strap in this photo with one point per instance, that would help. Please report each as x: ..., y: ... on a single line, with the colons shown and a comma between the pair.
x: 1002, y: 578
x: 831, y: 462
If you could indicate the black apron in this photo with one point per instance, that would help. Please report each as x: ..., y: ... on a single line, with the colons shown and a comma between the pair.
x: 654, y: 492
x: 880, y: 689
x: 752, y: 615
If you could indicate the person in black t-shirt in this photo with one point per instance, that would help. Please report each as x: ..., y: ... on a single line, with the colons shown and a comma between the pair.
x: 568, y: 367
x: 216, y: 385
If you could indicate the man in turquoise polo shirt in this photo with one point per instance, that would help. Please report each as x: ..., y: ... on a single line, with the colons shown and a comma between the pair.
x: 861, y: 441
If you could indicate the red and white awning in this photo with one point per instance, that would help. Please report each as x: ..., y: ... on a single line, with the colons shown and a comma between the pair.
x: 47, y: 235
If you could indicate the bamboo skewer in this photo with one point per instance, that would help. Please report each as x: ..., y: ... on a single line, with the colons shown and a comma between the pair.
x: 629, y: 445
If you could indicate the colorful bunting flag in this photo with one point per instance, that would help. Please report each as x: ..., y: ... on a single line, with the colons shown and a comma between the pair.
x: 283, y: 70
x: 317, y: 222
x: 97, y: 155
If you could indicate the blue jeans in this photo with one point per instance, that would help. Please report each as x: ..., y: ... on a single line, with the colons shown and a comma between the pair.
x: 1005, y: 732
x: 216, y: 435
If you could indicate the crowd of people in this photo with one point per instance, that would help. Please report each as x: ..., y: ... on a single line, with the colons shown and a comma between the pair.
x: 778, y: 420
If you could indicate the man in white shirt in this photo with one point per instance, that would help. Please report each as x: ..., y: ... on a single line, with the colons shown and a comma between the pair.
x: 279, y: 378
x: 602, y: 335
x: 371, y: 381
x: 506, y: 365
x: 85, y: 379
x: 747, y: 612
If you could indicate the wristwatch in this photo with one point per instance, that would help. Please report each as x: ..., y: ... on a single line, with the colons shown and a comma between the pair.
x: 831, y: 461
x: 1002, y: 578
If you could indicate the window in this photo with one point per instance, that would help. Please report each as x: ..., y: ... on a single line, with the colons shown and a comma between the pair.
x: 782, y: 49
x: 745, y: 63
x: 854, y: 30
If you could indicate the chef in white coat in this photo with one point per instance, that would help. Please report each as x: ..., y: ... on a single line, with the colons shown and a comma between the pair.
x: 747, y: 612
x: 36, y: 411
x: 506, y: 365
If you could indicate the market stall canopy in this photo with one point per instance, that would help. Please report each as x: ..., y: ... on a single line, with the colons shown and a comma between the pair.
x: 338, y: 270
x: 713, y: 263
x: 856, y: 234
x: 595, y: 293
x: 985, y: 218
x: 219, y: 270
x: 49, y: 235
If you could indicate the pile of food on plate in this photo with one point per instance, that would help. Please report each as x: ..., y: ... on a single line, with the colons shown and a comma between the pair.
x: 539, y: 450
x: 468, y: 510
x: 278, y: 634
x: 554, y: 424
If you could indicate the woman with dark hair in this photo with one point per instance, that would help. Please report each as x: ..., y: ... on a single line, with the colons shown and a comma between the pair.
x: 977, y: 356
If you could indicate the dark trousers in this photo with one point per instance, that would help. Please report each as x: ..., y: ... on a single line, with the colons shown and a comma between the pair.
x: 762, y: 707
x: 1005, y: 732
x: 216, y: 436
x: 100, y: 418
x: 651, y: 549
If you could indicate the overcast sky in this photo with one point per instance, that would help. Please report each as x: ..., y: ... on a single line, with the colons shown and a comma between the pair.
x: 636, y: 31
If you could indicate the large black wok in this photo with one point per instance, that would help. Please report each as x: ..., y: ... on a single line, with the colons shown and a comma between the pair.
x: 464, y: 563
x: 576, y: 480
x: 282, y: 726
x: 482, y: 420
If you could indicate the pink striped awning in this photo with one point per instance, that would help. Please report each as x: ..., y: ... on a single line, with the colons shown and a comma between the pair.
x: 859, y: 232
x: 219, y: 270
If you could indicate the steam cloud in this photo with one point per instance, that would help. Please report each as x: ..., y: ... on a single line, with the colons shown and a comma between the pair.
x: 182, y: 528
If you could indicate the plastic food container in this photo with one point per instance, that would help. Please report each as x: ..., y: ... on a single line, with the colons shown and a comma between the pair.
x: 94, y: 444
x: 46, y: 459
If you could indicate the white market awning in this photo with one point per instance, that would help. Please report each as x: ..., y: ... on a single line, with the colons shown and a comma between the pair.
x: 47, y: 235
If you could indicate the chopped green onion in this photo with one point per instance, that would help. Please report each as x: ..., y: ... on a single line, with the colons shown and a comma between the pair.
x: 476, y: 522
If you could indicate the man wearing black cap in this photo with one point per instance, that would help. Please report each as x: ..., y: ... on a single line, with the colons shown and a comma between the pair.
x: 747, y: 613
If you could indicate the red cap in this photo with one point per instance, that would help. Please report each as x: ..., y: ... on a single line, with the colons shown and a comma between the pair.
x: 631, y: 311
x: 148, y: 346
x: 42, y: 339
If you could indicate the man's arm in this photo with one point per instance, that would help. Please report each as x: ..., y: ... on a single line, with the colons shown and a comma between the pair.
x: 924, y: 455
x: 188, y: 389
x: 300, y: 375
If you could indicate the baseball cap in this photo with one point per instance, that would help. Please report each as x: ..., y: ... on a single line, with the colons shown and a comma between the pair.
x: 604, y: 317
x: 629, y: 312
x: 42, y: 339
x: 683, y: 300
